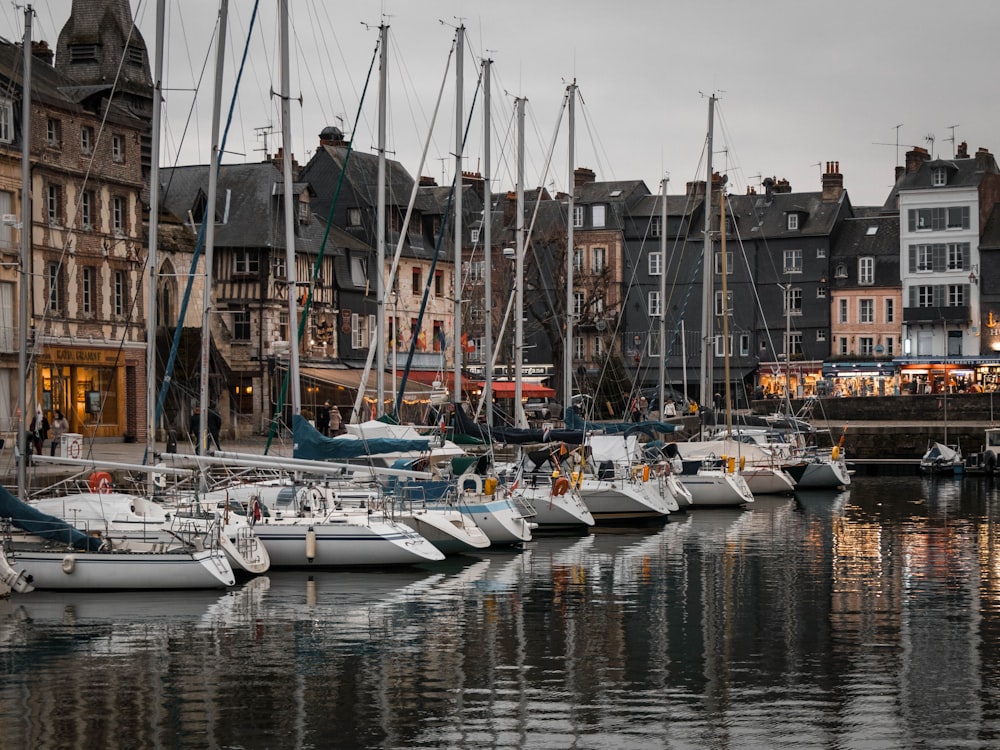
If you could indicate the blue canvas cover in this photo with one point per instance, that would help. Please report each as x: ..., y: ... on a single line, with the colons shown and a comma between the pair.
x: 33, y: 521
x: 310, y: 445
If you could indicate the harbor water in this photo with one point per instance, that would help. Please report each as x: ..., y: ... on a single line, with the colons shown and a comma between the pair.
x: 862, y: 619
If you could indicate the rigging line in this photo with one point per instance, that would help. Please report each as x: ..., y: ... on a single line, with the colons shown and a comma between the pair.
x: 175, y: 344
x: 599, y: 150
x: 405, y: 227
x: 319, y: 260
x: 457, y: 184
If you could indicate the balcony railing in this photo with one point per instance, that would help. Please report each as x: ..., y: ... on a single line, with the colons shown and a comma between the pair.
x: 953, y: 314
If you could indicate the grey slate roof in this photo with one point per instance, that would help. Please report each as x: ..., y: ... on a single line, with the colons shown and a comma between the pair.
x: 966, y: 172
x: 769, y: 216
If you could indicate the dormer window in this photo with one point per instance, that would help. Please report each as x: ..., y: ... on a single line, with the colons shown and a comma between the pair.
x: 840, y: 272
x: 793, y: 222
x: 939, y: 177
x: 597, y: 215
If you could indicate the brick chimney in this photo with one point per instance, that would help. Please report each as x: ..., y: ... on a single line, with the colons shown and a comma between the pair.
x: 476, y: 182
x: 768, y: 184
x: 427, y: 181
x: 916, y: 158
x: 332, y: 136
x: 900, y: 171
x: 41, y: 51
x: 833, y: 182
x: 963, y: 151
x: 695, y: 189
x: 582, y: 176
x: 782, y: 186
x: 985, y: 161
x: 279, y: 158
x: 510, y: 208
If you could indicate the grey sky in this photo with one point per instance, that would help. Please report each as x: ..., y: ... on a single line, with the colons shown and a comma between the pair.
x: 800, y: 83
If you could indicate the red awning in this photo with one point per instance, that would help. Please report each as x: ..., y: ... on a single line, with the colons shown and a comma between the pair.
x: 505, y: 389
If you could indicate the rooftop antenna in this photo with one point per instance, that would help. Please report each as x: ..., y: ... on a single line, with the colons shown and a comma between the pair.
x: 262, y: 135
x: 930, y: 141
x: 896, y: 144
x: 952, y: 139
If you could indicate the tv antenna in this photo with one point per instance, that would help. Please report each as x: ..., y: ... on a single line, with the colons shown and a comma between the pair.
x: 263, y: 133
x: 896, y: 144
x: 930, y: 142
x: 952, y: 139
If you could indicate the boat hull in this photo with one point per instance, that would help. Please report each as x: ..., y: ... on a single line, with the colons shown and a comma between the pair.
x: 617, y: 501
x: 716, y: 488
x: 451, y: 531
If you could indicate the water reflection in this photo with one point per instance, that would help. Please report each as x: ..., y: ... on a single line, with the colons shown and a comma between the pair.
x: 857, y: 619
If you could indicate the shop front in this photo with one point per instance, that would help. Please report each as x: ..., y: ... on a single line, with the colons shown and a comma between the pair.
x: 860, y: 379
x: 957, y: 374
x: 98, y: 390
x: 800, y: 378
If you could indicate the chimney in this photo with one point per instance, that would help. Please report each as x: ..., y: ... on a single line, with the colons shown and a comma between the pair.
x: 695, y: 189
x: 476, y: 182
x: 985, y: 161
x: 782, y: 186
x: 768, y: 184
x: 279, y: 158
x: 510, y: 208
x: 833, y: 182
x: 900, y: 171
x: 41, y: 51
x: 331, y: 136
x: 963, y: 151
x: 916, y: 158
x: 427, y: 181
x: 582, y: 176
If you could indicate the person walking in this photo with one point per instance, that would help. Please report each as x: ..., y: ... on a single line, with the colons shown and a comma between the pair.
x: 39, y: 430
x: 335, y: 420
x: 60, y: 426
x: 323, y: 418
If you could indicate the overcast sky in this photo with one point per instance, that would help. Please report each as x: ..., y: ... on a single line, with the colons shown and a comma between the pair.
x: 799, y: 83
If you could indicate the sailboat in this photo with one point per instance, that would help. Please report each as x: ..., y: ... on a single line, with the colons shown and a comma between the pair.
x: 942, y: 457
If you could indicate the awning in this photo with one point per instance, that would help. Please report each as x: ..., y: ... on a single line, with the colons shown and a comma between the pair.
x: 351, y: 380
x: 505, y: 389
x: 430, y: 377
x: 846, y: 369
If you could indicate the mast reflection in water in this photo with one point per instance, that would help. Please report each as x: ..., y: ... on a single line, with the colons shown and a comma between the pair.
x: 863, y: 619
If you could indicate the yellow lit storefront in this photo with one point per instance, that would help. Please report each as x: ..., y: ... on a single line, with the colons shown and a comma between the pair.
x: 97, y: 389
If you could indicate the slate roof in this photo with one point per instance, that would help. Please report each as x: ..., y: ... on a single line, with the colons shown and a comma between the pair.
x: 966, y: 172
x: 601, y: 192
x: 323, y: 173
x: 767, y: 217
x: 869, y: 233
x: 677, y: 205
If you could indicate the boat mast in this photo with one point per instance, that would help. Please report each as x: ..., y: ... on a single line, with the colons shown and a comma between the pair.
x: 487, y: 245
x: 706, y: 270
x: 154, y: 232
x: 290, y: 217
x: 663, y: 297
x: 570, y: 256
x: 725, y: 304
x: 209, y: 220
x: 380, y: 222
x: 520, y: 420
x: 457, y: 327
x: 25, y: 276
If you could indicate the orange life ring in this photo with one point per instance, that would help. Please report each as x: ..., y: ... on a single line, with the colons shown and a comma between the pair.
x: 100, y: 481
x: 560, y: 486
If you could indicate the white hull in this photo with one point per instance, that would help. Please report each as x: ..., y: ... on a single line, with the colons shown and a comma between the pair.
x: 106, y: 571
x: 611, y: 501
x: 451, y: 531
x: 716, y: 488
x: 498, y: 517
x: 343, y: 540
x: 824, y: 474
x: 768, y: 481
x: 557, y: 511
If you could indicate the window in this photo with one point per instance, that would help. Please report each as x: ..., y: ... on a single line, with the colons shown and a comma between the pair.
x: 842, y: 345
x: 354, y: 217
x: 842, y: 313
x: 656, y: 264
x: 439, y: 283
x: 866, y: 345
x: 939, y: 177
x: 653, y: 304
x: 359, y: 272
x: 793, y: 261
x: 578, y: 350
x: 362, y: 331
x: 118, y: 215
x: 246, y: 263
x: 6, y: 121
x: 87, y: 291
x: 53, y: 204
x: 656, y: 226
x: 577, y: 216
x: 820, y: 252
x: 476, y: 355
x: 958, y: 256
x: 578, y: 303
x: 597, y: 215
x: 793, y: 301
x: 890, y: 345
x: 719, y: 311
x: 925, y: 296
x: 840, y: 272
x: 87, y: 210
x: 120, y: 294
x: 6, y: 233
x: 578, y: 260
x: 938, y: 219
x: 598, y: 257
x: 890, y: 310
x: 53, y: 133
x: 866, y: 311
x: 477, y: 270
x: 793, y: 222
x: 744, y: 344
x: 599, y: 347
x: 821, y: 335
x: 793, y: 343
x: 54, y: 279
x: 80, y: 53
x: 956, y: 295
x: 720, y: 344
x: 280, y: 265
x: 729, y: 263
x: 924, y: 258
x: 303, y: 212
x: 474, y: 236
x: 866, y: 270
x: 118, y: 148
x: 958, y: 217
x: 415, y: 286
x: 241, y: 324
x: 821, y: 292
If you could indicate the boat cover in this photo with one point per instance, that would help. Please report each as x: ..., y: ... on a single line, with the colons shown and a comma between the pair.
x: 27, y: 518
x: 312, y: 446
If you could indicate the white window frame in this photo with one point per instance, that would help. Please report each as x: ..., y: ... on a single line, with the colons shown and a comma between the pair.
x: 866, y: 270
x: 719, y: 312
x: 354, y: 217
x: 118, y: 148
x: 119, y: 282
x: 939, y: 177
x: 579, y: 352
x: 792, y: 261
x: 598, y: 259
x: 793, y: 301
x: 793, y: 222
x: 718, y: 263
x: 6, y: 121
x: 578, y: 216
x: 598, y: 215
x: 579, y: 302
x: 820, y: 334
x: 653, y: 307
x: 655, y: 264
x: 843, y: 313
x: 86, y: 140
x: 866, y: 311
x: 890, y: 310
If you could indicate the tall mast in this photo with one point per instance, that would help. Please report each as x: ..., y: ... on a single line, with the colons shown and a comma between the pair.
x: 290, y: 216
x: 723, y: 267
x: 380, y: 222
x: 520, y: 420
x: 487, y: 246
x: 25, y: 276
x: 663, y: 297
x: 209, y: 219
x: 154, y: 230
x: 570, y: 255
x: 707, y: 269
x: 459, y: 55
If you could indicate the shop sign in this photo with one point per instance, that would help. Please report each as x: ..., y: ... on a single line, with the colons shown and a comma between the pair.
x: 85, y: 357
